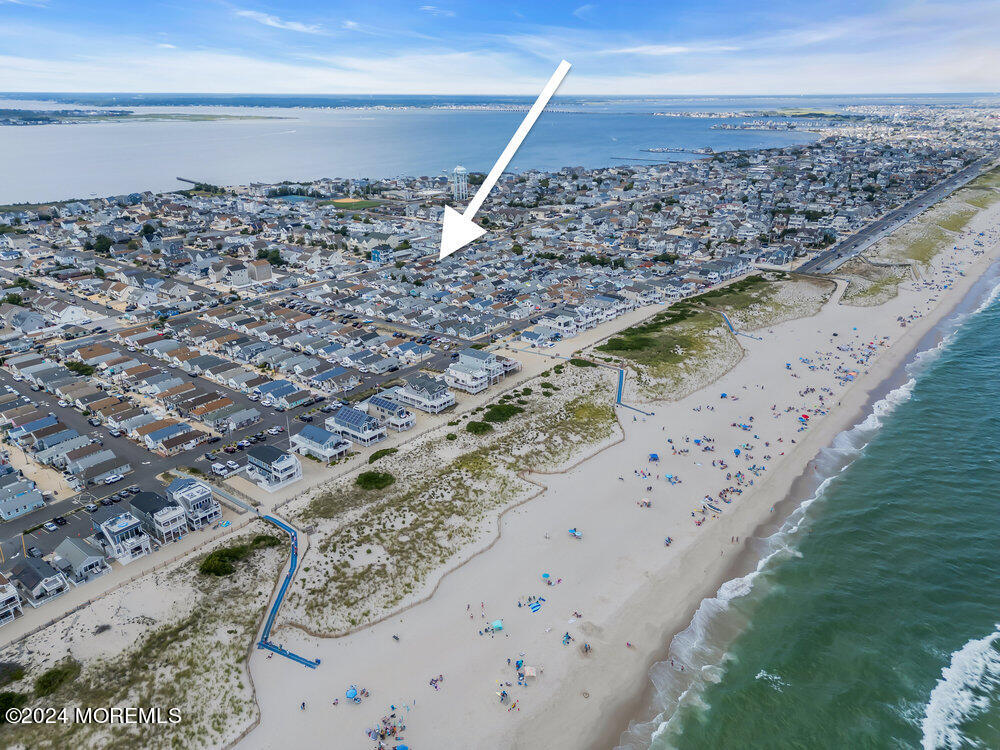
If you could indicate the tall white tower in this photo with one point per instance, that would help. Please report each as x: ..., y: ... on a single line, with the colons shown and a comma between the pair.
x: 459, y: 184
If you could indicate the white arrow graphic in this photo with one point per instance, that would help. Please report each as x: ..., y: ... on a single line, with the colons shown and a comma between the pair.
x: 458, y: 230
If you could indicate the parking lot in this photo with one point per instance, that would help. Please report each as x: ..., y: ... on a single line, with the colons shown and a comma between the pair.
x: 146, y: 465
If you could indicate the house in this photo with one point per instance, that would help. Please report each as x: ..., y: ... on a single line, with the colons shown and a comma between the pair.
x: 164, y: 520
x: 475, y: 371
x: 121, y: 534
x: 356, y: 426
x: 10, y: 601
x: 390, y: 413
x: 37, y: 581
x: 320, y: 443
x: 259, y: 270
x: 196, y: 498
x: 271, y: 469
x: 424, y: 393
x: 79, y: 560
x: 19, y: 498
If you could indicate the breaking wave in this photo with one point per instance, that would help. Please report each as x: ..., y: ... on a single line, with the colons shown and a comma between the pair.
x: 966, y: 689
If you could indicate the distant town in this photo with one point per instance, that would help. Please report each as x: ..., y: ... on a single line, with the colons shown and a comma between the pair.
x: 155, y: 345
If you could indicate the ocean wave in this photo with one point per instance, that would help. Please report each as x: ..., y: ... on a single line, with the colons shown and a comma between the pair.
x: 964, y: 691
x: 699, y: 646
x: 772, y: 679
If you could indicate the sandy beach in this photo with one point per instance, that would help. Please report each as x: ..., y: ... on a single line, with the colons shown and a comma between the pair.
x: 590, y: 615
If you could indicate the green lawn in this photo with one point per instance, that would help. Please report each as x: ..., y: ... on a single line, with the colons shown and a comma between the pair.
x: 351, y: 205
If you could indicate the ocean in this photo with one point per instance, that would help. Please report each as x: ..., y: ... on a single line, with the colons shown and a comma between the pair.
x: 873, y: 617
x: 357, y: 136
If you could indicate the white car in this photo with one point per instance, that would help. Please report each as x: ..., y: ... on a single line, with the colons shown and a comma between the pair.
x: 273, y: 431
x: 49, y: 526
x: 232, y: 465
x: 62, y: 403
x: 113, y: 478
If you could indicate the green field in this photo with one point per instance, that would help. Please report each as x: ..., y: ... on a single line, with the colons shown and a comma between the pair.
x: 351, y: 205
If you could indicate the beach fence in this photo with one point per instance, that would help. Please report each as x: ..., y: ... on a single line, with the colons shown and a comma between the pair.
x: 265, y: 636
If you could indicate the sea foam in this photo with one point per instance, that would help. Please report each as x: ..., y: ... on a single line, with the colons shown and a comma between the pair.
x: 963, y: 692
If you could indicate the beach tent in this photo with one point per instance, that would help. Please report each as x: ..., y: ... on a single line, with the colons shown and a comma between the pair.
x: 497, y: 625
x: 530, y: 672
x: 654, y: 456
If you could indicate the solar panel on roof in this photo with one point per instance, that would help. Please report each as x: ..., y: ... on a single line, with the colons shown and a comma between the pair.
x: 352, y: 417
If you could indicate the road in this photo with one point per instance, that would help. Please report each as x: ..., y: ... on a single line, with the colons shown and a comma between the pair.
x: 831, y: 259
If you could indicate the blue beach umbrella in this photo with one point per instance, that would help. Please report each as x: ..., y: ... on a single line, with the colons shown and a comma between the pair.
x: 352, y: 693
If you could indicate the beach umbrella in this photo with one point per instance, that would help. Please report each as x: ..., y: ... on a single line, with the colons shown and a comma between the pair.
x: 352, y: 693
x: 497, y: 625
x: 736, y: 451
x: 545, y: 576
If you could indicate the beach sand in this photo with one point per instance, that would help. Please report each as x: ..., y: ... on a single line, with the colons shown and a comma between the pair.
x: 626, y: 585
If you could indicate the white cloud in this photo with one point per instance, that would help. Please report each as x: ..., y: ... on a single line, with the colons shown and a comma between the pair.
x: 584, y: 11
x: 436, y: 11
x: 665, y: 50
x: 29, y: 3
x: 164, y: 45
x: 278, y: 23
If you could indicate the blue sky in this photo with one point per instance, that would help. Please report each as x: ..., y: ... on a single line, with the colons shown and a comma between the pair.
x: 488, y: 47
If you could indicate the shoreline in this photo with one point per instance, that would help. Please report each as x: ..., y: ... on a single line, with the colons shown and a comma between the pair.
x: 641, y: 706
x: 629, y: 587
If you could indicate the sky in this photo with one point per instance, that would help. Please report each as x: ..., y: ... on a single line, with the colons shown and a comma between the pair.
x: 664, y: 47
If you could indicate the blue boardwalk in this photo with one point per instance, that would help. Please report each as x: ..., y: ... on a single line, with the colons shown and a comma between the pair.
x: 265, y: 636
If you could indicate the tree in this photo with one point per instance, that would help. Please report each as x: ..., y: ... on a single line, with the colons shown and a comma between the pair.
x: 99, y: 272
x: 102, y: 243
x: 148, y: 230
x: 14, y: 299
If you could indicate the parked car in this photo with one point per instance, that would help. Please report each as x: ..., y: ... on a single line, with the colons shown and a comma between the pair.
x: 214, y: 439
x: 113, y: 478
x: 219, y: 469
x: 62, y: 403
x: 210, y: 456
x: 49, y: 526
x: 134, y: 489
x: 306, y: 417
x: 230, y: 449
x: 95, y: 421
x: 90, y: 507
x: 34, y: 552
x: 59, y: 521
x: 232, y: 465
